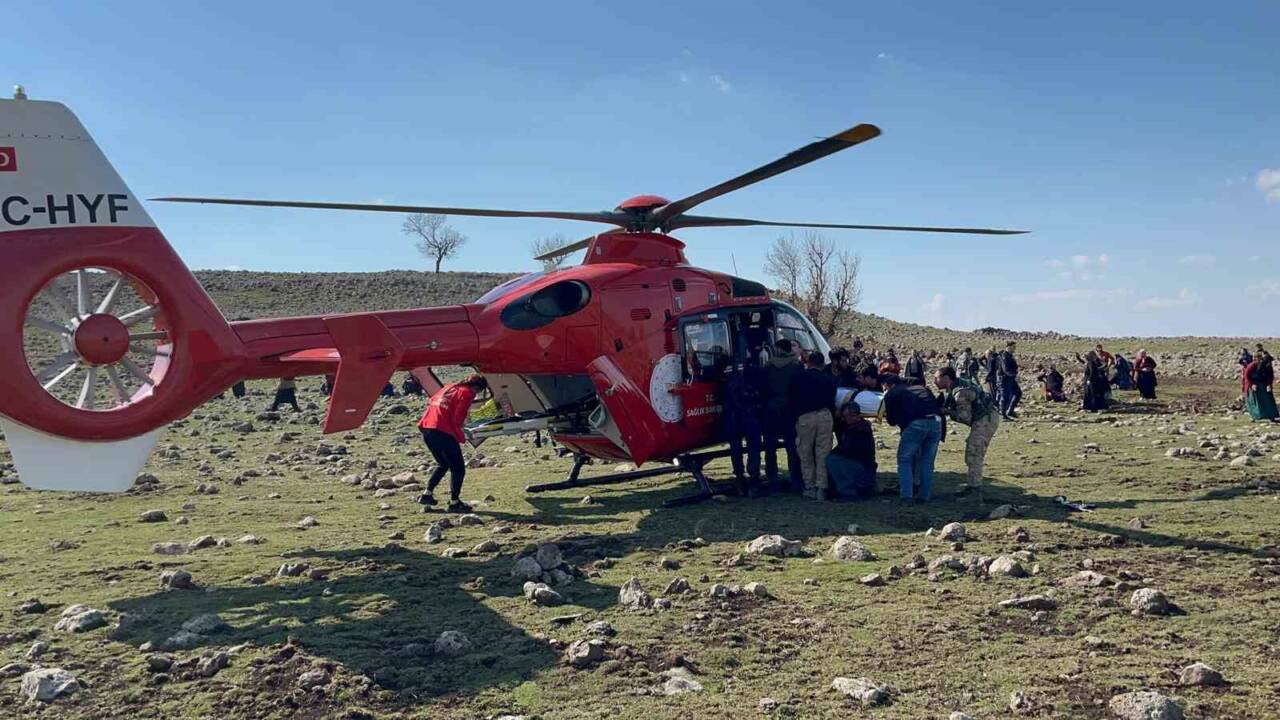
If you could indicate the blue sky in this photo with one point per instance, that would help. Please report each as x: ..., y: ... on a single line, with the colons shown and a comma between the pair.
x: 1137, y: 140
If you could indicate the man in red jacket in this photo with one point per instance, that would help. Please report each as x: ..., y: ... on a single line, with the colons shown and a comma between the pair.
x: 441, y: 427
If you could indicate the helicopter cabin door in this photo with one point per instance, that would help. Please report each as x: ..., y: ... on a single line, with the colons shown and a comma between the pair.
x: 706, y: 348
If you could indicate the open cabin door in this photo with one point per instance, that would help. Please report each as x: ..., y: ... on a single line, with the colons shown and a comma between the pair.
x: 638, y: 427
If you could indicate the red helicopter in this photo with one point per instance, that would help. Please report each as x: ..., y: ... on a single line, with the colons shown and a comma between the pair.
x: 618, y: 358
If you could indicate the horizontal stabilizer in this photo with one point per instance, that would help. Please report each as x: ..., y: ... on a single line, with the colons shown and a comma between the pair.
x: 369, y: 355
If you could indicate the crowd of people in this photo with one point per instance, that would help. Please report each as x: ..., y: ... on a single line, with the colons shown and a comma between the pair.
x: 811, y: 409
x: 1257, y: 384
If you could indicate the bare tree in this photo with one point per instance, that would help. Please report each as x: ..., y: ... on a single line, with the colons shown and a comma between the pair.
x: 783, y: 264
x: 551, y: 243
x: 435, y: 239
x: 817, y: 277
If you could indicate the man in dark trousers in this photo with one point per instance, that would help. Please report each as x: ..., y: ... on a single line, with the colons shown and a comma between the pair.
x: 286, y: 394
x: 779, y: 420
x: 915, y: 369
x: 745, y: 386
x: 1010, y: 390
x: 441, y: 427
x: 914, y: 410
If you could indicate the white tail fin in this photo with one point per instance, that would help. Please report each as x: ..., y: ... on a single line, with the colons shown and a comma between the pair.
x: 105, y: 336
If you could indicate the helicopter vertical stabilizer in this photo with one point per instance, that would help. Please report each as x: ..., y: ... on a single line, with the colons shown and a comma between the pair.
x: 105, y: 336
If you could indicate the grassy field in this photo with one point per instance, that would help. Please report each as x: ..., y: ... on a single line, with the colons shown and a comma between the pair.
x: 374, y: 597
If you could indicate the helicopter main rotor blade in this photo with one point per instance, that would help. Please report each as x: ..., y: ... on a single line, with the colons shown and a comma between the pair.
x: 565, y: 250
x: 608, y: 218
x: 687, y: 221
x: 663, y: 216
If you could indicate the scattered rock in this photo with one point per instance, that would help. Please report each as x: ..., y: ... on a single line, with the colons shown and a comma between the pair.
x: 212, y: 663
x: 1149, y: 601
x: 48, y: 684
x: 632, y: 595
x: 1242, y: 461
x: 313, y: 678
x: 679, y: 586
x: 585, y: 653
x: 1201, y: 675
x: 453, y: 643
x: 864, y: 690
x: 1084, y: 579
x: 1144, y: 705
x: 601, y: 628
x: 153, y: 516
x: 757, y: 589
x: 32, y: 606
x: 679, y: 681
x: 486, y: 546
x: 177, y: 580
x: 526, y: 568
x: 872, y: 580
x: 548, y: 556
x: 170, y: 548
x: 774, y: 546
x: 953, y: 532
x: 80, y: 618
x: 849, y: 549
x: 434, y: 533
x: 1006, y: 566
x: 159, y: 662
x: 1030, y: 602
x: 308, y: 522
x: 542, y: 594
x: 1000, y: 512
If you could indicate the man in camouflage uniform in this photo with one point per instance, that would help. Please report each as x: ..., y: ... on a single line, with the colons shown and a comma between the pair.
x: 968, y: 404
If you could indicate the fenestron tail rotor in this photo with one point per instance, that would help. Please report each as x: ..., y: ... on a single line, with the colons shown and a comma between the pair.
x: 95, y: 339
x: 649, y: 213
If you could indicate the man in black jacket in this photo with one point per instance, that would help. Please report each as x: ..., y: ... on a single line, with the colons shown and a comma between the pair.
x: 914, y: 410
x: 779, y: 418
x: 1010, y: 390
x: 813, y: 395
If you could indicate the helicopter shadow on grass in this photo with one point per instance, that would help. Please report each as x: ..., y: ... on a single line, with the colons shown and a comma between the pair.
x: 379, y: 614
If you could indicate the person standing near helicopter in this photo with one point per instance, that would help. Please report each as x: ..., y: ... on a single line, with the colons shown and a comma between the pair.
x: 441, y: 427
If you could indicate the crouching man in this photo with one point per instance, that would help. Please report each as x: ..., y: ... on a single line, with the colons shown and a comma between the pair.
x: 966, y: 403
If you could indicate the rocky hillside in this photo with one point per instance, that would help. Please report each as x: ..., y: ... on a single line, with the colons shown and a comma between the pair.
x: 244, y: 294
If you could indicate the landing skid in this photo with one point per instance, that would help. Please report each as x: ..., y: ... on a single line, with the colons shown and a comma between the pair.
x: 692, y: 463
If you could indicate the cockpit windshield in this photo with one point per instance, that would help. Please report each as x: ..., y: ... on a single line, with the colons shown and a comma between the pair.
x: 508, y: 286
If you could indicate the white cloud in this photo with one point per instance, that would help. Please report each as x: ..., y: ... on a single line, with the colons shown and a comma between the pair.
x: 721, y: 83
x: 684, y: 77
x: 1198, y: 260
x: 233, y: 267
x: 1268, y: 182
x: 1070, y: 295
x: 1184, y: 298
x: 1084, y: 268
x: 1267, y: 290
x: 935, y: 305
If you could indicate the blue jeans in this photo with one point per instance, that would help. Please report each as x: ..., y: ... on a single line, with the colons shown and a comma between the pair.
x: 917, y: 450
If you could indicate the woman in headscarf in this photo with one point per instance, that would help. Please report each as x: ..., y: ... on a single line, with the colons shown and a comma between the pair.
x: 1144, y: 375
x: 1259, y: 391
x: 1096, y: 384
x: 1124, y: 373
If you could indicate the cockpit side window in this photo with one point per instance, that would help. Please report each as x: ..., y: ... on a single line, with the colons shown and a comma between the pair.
x: 707, y: 350
x: 793, y: 328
